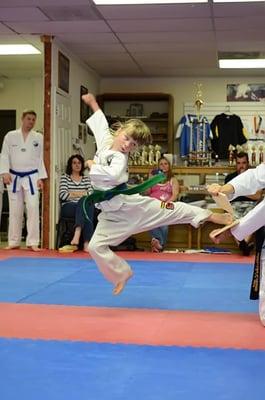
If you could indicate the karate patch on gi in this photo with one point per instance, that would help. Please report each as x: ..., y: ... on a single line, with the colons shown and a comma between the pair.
x: 168, y: 205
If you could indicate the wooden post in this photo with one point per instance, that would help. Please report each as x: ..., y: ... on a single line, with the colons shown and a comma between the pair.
x: 47, y: 43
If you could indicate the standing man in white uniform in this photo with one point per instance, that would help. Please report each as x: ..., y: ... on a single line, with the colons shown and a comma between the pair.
x: 23, y: 171
x: 247, y: 183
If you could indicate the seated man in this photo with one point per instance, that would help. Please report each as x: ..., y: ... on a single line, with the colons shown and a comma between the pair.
x: 243, y: 204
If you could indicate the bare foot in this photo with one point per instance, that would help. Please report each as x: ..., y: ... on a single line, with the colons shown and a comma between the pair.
x: 222, y: 219
x: 218, y: 235
x: 11, y: 247
x: 86, y: 247
x: 155, y: 246
x: 34, y: 248
x: 121, y: 285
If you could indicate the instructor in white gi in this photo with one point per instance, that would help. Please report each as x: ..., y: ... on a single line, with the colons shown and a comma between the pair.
x: 248, y: 183
x: 23, y: 171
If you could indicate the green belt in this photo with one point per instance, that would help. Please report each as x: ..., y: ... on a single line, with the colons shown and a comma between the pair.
x: 97, y: 196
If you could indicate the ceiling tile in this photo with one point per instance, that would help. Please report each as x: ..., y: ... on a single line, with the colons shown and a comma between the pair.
x: 22, y: 14
x: 84, y: 38
x: 99, y: 48
x: 155, y: 11
x: 166, y: 47
x: 178, y: 60
x: 117, y: 57
x: 39, y: 3
x: 72, y: 13
x: 238, y: 36
x: 164, y: 25
x: 236, y: 23
x: 166, y: 37
x: 238, y: 9
x: 5, y: 30
x: 61, y: 27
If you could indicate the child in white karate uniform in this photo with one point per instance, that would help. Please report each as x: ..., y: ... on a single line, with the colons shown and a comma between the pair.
x: 246, y: 183
x: 125, y: 215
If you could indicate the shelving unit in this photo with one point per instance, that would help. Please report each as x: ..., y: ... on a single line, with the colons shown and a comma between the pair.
x: 155, y: 109
x: 184, y: 236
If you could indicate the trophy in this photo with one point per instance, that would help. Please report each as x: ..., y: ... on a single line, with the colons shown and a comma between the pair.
x: 151, y: 157
x: 253, y: 155
x: 144, y: 154
x: 261, y: 154
x: 157, y: 153
x: 231, y: 150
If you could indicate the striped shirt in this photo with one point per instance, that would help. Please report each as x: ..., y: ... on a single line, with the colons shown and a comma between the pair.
x: 68, y: 185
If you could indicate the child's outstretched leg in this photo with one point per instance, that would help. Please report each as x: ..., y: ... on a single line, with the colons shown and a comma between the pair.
x: 222, y: 219
x: 114, y: 268
x: 121, y: 285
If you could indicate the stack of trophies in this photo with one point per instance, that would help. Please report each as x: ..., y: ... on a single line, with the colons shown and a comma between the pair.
x: 149, y: 155
x: 255, y: 153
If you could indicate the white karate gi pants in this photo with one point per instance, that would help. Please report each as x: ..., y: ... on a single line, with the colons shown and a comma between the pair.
x: 16, y: 210
x: 137, y: 214
x: 250, y: 223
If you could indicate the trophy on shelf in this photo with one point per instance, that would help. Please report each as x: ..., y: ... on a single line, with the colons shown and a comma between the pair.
x: 144, y: 156
x: 157, y: 153
x: 253, y: 155
x: 151, y: 156
x: 136, y: 158
x: 231, y: 156
x: 261, y: 154
x: 198, y: 141
x: 239, y: 148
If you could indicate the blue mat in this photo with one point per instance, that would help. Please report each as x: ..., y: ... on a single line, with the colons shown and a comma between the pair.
x: 162, y: 285
x: 41, y: 370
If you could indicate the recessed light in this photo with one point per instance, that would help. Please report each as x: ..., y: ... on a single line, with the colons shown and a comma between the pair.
x: 135, y: 2
x: 17, y: 49
x: 242, y: 63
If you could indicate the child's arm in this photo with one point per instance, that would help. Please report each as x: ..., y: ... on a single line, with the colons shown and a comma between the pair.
x: 97, y: 122
x: 90, y: 100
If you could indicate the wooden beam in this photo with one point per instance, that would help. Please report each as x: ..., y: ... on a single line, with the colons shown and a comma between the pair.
x: 47, y: 42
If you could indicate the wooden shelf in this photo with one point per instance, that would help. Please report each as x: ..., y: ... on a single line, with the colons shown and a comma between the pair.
x: 143, y: 169
x: 115, y: 105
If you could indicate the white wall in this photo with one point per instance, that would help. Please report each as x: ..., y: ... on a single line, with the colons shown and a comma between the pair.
x: 21, y: 94
x: 183, y: 90
x: 80, y: 74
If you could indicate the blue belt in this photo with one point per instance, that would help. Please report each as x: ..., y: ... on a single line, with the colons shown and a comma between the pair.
x: 22, y: 175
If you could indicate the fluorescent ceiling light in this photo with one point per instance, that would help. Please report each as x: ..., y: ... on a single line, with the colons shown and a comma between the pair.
x: 17, y: 49
x: 243, y: 63
x: 118, y: 2
x: 237, y: 1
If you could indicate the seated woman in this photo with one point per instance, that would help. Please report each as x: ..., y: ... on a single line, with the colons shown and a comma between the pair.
x: 73, y: 186
x: 167, y: 191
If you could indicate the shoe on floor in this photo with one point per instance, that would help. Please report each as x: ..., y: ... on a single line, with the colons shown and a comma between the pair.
x: 68, y: 248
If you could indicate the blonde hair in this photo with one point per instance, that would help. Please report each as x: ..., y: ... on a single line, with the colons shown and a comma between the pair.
x: 134, y: 128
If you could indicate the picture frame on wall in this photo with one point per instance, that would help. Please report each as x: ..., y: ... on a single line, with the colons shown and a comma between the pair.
x: 245, y: 92
x: 84, y: 109
x: 63, y: 72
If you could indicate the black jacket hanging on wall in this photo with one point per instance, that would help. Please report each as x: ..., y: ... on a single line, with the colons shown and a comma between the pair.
x: 226, y: 130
